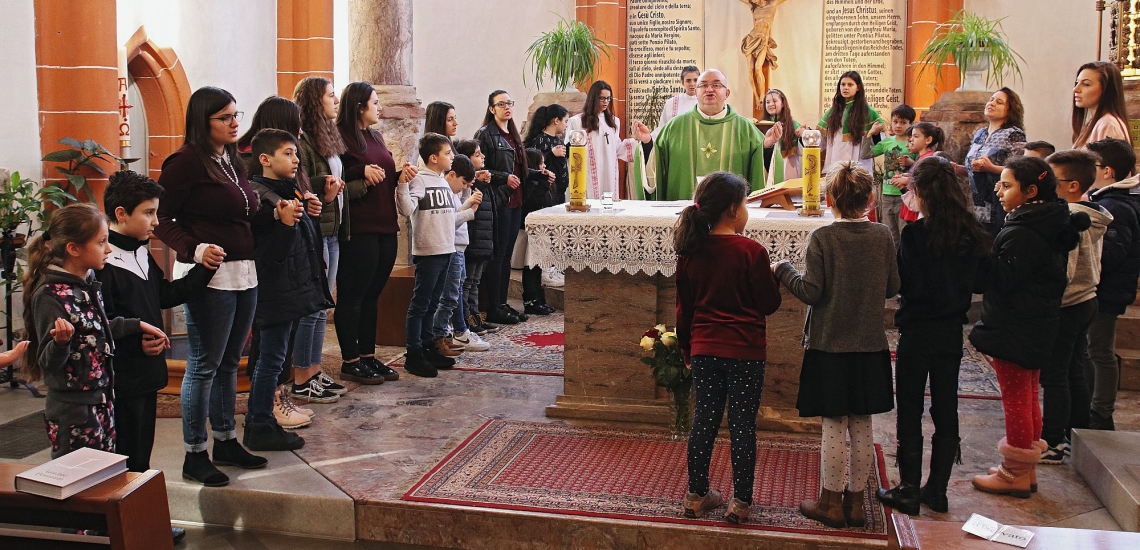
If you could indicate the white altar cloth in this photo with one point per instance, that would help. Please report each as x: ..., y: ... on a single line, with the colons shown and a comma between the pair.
x: 637, y: 236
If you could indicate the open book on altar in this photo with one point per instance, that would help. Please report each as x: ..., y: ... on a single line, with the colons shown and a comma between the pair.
x: 71, y: 473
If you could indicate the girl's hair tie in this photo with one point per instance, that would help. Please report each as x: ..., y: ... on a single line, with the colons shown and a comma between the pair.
x: 697, y: 205
x: 1042, y: 176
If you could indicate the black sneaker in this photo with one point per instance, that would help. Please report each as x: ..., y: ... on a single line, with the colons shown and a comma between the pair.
x: 535, y: 308
x: 197, y: 467
x: 436, y: 359
x: 521, y: 316
x: 1098, y: 422
x: 268, y: 436
x: 329, y: 384
x: 549, y: 308
x: 361, y: 372
x: 380, y: 369
x: 502, y: 315
x: 416, y: 364
x: 313, y: 392
x: 231, y: 453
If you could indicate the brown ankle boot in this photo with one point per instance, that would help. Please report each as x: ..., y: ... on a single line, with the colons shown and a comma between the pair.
x: 853, y: 508
x: 828, y: 510
x: 444, y: 349
x: 1014, y: 475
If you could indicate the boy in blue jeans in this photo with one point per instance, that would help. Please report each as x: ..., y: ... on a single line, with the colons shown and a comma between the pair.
x: 427, y: 202
x: 449, y: 318
x: 291, y: 280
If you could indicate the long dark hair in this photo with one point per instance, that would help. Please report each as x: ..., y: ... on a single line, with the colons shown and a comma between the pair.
x: 75, y: 223
x: 1111, y: 101
x: 718, y: 193
x: 952, y: 228
x: 1015, y: 110
x: 319, y: 130
x: 590, y: 111
x: 859, y: 109
x: 1034, y: 171
x: 935, y: 133
x: 276, y: 113
x: 204, y: 103
x: 788, y: 139
x: 435, y: 118
x: 489, y: 120
x: 354, y: 97
x: 542, y: 118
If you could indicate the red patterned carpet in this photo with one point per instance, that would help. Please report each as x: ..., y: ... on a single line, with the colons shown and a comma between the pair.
x: 620, y: 474
x: 533, y: 347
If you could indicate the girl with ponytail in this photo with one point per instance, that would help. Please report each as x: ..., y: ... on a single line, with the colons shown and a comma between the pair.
x: 922, y: 140
x: 70, y: 339
x: 721, y: 332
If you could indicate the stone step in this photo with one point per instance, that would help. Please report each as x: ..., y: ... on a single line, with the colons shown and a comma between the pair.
x: 1106, y: 460
x: 1129, y: 368
x: 554, y: 296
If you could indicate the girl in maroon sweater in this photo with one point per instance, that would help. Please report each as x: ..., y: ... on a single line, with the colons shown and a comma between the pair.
x: 720, y: 328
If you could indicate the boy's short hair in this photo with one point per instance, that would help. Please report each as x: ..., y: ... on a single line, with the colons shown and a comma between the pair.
x: 1117, y: 154
x: 128, y: 189
x: 534, y: 157
x: 1077, y: 164
x: 905, y: 112
x: 268, y: 140
x: 431, y: 144
x: 466, y: 147
x: 463, y: 167
x: 1043, y: 147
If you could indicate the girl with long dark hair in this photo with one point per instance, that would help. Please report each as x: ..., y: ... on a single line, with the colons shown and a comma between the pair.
x: 205, y: 217
x: 939, y: 259
x: 440, y: 118
x: 1099, y: 111
x: 546, y: 134
x: 604, y: 145
x: 781, y: 141
x: 846, y: 122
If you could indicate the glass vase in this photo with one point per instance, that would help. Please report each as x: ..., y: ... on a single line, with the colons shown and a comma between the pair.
x: 681, y: 404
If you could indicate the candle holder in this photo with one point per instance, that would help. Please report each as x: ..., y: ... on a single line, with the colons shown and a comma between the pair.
x: 811, y: 139
x: 577, y: 173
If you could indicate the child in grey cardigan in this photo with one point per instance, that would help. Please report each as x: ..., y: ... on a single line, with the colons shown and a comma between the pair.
x: 846, y: 374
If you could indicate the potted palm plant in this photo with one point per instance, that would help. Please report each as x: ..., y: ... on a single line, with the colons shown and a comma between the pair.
x: 977, y: 45
x: 24, y: 206
x: 567, y: 55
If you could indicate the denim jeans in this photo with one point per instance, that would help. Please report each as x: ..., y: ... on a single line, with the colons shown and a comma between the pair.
x: 270, y: 360
x: 321, y: 320
x: 1066, y: 394
x: 473, y: 274
x: 309, y: 343
x: 217, y: 325
x: 431, y: 272
x: 449, y: 300
x: 1102, y: 372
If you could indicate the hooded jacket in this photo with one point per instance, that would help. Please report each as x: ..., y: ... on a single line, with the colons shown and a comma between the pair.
x: 291, y: 279
x: 1025, y: 283
x: 482, y: 229
x: 1084, y: 261
x: 1120, y: 257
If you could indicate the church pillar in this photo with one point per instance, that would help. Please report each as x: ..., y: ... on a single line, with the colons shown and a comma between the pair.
x: 77, y: 76
x: 923, y: 16
x: 608, y: 19
x: 304, y: 42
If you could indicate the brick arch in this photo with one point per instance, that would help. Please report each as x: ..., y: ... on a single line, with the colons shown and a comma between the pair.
x: 165, y: 90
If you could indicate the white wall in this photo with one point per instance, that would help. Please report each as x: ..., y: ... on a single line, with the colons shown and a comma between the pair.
x: 20, y: 131
x: 231, y: 45
x: 1058, y: 37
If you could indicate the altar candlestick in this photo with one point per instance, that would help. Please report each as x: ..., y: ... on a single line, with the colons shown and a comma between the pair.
x: 811, y: 139
x: 578, y: 172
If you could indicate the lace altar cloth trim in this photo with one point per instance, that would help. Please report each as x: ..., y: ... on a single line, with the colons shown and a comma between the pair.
x: 637, y: 236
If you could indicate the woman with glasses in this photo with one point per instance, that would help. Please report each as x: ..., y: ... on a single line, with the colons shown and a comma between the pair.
x: 992, y: 146
x: 205, y: 216
x: 604, y: 146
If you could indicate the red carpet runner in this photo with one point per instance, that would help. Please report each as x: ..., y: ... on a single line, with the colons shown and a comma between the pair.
x: 636, y: 475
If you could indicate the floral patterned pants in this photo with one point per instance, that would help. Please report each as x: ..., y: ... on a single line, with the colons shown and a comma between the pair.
x: 71, y: 426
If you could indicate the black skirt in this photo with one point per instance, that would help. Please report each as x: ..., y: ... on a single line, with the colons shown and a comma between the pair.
x: 841, y: 384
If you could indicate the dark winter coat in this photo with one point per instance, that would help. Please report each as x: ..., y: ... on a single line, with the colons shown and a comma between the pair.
x: 546, y: 143
x: 291, y: 280
x: 934, y: 287
x: 481, y: 230
x: 1120, y: 256
x: 1025, y: 283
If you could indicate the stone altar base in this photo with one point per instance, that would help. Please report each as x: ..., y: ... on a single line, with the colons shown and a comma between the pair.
x: 604, y: 378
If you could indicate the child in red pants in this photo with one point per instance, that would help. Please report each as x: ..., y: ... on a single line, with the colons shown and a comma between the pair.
x: 1020, y: 311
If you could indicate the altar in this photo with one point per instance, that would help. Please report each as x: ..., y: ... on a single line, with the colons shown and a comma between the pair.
x: 620, y: 266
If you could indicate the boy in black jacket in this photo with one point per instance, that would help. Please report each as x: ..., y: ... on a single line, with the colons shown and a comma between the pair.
x: 291, y: 280
x: 482, y: 232
x: 134, y: 286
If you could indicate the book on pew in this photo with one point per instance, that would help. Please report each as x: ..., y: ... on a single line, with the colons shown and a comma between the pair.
x: 71, y: 473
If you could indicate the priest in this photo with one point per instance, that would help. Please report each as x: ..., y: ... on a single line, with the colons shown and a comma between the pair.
x: 710, y: 138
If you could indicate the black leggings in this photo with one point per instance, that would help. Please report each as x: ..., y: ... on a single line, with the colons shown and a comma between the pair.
x: 739, y: 383
x: 933, y: 350
x: 1067, y: 400
x: 365, y: 264
x: 134, y: 429
x: 498, y: 276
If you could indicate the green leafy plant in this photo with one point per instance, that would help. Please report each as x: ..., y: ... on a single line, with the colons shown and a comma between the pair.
x: 78, y: 155
x: 568, y: 54
x: 967, y: 38
x: 670, y: 372
x: 23, y: 203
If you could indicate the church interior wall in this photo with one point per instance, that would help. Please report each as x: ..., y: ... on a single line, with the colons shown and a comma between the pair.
x: 20, y: 138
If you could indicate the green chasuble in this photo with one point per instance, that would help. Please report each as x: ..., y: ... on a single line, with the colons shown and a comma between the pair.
x: 691, y: 146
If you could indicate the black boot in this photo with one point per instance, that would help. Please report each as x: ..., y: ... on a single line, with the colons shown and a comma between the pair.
x: 231, y: 453
x: 437, y: 360
x: 269, y: 436
x: 943, y: 452
x: 904, y: 497
x: 197, y: 467
x: 414, y: 363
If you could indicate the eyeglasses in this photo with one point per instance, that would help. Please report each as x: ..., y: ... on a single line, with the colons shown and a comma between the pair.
x: 605, y: 99
x: 713, y: 85
x: 229, y: 119
x: 504, y: 104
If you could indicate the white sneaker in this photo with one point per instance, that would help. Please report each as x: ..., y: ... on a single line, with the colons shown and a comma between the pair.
x: 471, y: 341
x: 553, y: 278
x: 288, y: 415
